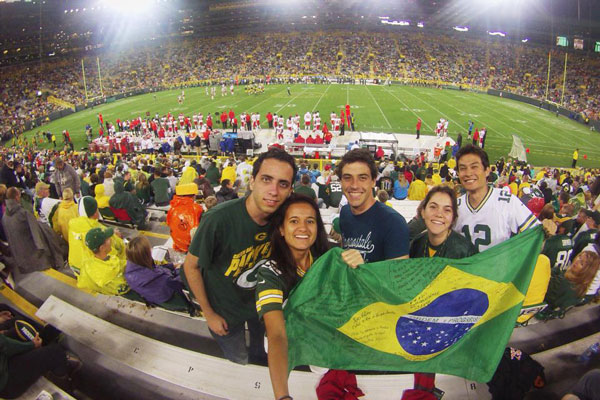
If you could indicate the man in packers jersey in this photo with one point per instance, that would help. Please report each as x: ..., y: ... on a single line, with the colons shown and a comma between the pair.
x: 487, y: 216
x: 558, y: 248
x: 231, y: 239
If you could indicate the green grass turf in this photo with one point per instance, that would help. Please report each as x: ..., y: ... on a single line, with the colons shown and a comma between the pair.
x: 551, y: 139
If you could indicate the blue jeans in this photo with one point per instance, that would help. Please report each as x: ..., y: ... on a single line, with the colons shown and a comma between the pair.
x: 234, y: 347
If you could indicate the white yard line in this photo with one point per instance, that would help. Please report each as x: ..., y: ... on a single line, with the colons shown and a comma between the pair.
x: 431, y: 106
x: 292, y: 99
x: 318, y: 101
x: 380, y: 110
x: 408, y: 108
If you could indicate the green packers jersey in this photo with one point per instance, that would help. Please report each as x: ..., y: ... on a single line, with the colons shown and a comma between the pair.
x: 455, y: 246
x: 334, y: 190
x: 271, y: 289
x: 229, y: 245
x: 582, y: 240
x: 558, y: 249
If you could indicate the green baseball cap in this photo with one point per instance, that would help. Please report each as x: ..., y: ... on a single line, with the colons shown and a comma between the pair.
x: 96, y: 237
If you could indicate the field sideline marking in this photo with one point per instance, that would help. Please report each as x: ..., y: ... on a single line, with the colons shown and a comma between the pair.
x: 380, y: 110
x: 491, y: 110
x: 408, y: 108
x: 318, y: 101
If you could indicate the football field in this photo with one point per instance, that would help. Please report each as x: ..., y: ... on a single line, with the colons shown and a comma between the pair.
x: 550, y: 139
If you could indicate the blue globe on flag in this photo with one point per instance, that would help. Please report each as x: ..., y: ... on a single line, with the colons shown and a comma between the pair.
x: 441, y: 323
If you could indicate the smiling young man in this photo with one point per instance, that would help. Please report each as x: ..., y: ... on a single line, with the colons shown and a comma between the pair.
x: 231, y: 239
x: 371, y: 231
x: 487, y: 216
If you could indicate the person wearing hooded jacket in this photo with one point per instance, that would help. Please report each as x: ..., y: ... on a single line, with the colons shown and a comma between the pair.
x: 79, y: 227
x: 130, y: 203
x: 183, y: 215
x: 33, y: 244
x: 65, y: 211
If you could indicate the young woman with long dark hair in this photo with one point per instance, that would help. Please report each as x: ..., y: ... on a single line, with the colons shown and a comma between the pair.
x: 297, y: 238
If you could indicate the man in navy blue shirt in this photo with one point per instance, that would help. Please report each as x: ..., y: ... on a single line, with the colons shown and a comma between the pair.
x: 371, y: 231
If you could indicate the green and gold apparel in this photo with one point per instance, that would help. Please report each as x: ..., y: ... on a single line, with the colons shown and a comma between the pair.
x: 334, y: 192
x: 229, y: 246
x: 582, y: 240
x: 272, y: 290
x: 455, y: 246
x: 558, y: 249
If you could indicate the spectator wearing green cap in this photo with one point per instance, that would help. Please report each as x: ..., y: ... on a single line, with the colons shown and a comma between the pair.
x: 80, y: 226
x: 103, y: 273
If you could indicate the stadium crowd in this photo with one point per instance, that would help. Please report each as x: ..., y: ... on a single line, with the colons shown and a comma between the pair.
x: 412, y: 57
x: 63, y: 196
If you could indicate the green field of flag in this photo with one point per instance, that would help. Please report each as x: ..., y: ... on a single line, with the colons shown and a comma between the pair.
x: 420, y: 315
x: 551, y: 139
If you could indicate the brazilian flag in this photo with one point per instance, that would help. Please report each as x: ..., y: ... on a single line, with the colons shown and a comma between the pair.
x: 437, y: 315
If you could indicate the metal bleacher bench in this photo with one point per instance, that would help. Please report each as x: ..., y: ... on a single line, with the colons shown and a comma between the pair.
x: 174, y: 372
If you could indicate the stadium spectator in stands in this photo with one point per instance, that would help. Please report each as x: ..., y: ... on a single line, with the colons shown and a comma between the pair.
x: 213, y: 174
x: 210, y: 202
x: 109, y: 184
x: 587, y: 236
x: 291, y: 257
x: 157, y: 284
x: 401, y: 186
x: 8, y: 175
x: 384, y: 197
x: 130, y: 203
x: 229, y: 171
x: 220, y: 280
x: 439, y: 211
x: 142, y: 189
x: 370, y: 230
x: 226, y: 192
x: 161, y: 188
x: 34, y: 245
x: 23, y: 363
x: 66, y: 211
x: 486, y: 216
x: 104, y: 272
x: 304, y: 188
x: 80, y: 226
x: 65, y: 177
x: 567, y: 288
x: 183, y: 215
x: 417, y: 190
x: 42, y: 203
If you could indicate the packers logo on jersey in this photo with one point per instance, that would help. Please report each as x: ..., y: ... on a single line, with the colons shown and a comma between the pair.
x: 259, y: 237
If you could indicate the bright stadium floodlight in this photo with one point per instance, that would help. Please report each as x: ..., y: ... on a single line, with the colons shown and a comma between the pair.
x: 461, y: 28
x: 497, y: 33
x: 525, y: 40
x: 420, y: 24
x: 127, y: 6
x: 383, y: 17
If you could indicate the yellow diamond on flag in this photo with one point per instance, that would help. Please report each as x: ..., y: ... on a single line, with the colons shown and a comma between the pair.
x: 446, y: 310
